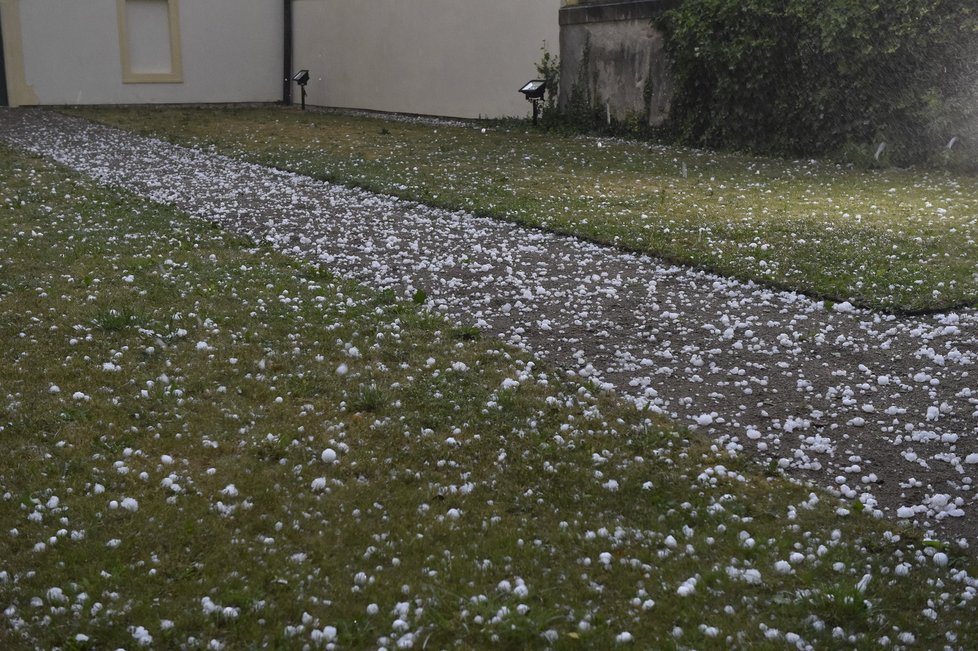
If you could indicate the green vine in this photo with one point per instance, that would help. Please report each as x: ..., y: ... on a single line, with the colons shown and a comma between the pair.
x: 583, y: 106
x: 548, y: 69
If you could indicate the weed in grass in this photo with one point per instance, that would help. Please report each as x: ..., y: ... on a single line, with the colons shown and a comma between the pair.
x: 115, y: 319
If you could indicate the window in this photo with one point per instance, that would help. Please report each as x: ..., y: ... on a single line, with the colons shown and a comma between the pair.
x: 149, y: 41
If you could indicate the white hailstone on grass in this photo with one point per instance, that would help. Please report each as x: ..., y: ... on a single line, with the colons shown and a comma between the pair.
x: 624, y: 637
x: 78, y: 395
x: 54, y: 388
x: 454, y: 514
x: 783, y: 567
x: 56, y: 595
x: 373, y: 609
x: 318, y: 484
x: 687, y: 587
x: 342, y: 369
x: 328, y: 455
x: 166, y: 459
x: 141, y: 635
x: 208, y: 606
x: 940, y: 559
x: 971, y: 458
x: 230, y: 490
x: 521, y: 589
x: 129, y: 504
x: 203, y: 345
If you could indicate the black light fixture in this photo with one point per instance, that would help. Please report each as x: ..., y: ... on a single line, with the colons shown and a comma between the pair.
x: 534, y: 90
x: 302, y: 78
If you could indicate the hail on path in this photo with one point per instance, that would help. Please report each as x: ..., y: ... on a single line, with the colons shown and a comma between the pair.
x: 880, y: 409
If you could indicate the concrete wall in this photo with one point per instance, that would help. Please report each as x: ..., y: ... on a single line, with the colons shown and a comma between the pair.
x: 627, y: 73
x: 70, y: 52
x: 461, y: 58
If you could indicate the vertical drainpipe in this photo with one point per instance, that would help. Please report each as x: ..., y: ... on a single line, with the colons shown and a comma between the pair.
x: 4, y: 100
x: 287, y: 83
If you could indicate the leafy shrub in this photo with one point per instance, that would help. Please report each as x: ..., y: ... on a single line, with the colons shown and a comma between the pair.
x: 804, y: 77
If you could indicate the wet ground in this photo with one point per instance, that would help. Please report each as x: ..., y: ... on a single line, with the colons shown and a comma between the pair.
x: 882, y: 409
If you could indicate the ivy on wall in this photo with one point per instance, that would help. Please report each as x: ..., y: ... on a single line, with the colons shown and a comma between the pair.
x: 897, y: 78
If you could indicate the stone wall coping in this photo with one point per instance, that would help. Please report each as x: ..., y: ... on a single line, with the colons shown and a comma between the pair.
x: 606, y: 12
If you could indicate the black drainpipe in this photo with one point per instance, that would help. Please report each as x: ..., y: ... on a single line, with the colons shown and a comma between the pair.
x: 287, y: 83
x: 4, y: 100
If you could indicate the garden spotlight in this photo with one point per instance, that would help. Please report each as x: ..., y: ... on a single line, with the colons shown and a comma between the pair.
x: 534, y: 90
x: 302, y: 78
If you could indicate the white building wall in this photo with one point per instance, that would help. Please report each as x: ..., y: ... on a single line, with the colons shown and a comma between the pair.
x: 232, y: 51
x: 461, y: 58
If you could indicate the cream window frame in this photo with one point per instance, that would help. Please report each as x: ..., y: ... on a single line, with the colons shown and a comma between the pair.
x: 175, y: 75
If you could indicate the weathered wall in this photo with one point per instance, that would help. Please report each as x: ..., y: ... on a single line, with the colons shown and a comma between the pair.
x: 69, y: 52
x: 461, y: 58
x: 627, y: 72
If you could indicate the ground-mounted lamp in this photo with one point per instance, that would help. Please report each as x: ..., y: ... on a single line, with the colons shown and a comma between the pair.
x: 534, y: 90
x: 302, y: 78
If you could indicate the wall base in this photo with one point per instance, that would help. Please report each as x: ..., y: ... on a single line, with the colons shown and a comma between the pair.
x: 626, y: 74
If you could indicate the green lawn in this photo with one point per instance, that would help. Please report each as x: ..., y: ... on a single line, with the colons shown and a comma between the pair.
x: 903, y: 241
x: 207, y: 441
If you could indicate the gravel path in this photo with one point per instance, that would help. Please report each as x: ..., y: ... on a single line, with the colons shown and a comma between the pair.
x: 879, y: 408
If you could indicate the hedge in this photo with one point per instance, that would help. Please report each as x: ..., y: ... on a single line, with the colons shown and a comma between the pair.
x: 895, y: 79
